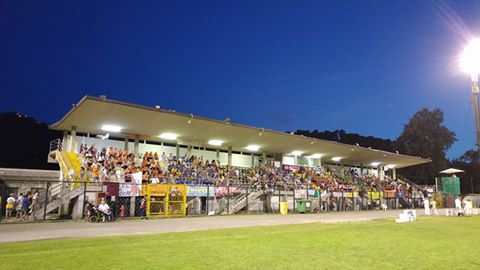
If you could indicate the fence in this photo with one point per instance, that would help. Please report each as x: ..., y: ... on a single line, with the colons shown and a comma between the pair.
x: 58, y: 200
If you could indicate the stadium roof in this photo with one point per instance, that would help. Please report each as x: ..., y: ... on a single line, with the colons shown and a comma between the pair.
x: 90, y: 114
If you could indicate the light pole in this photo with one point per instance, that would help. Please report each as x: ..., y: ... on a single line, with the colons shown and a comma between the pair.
x: 470, y: 63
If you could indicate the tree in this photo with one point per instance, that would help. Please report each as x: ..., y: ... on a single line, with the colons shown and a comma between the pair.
x: 469, y: 163
x: 349, y: 138
x: 25, y: 142
x: 426, y: 136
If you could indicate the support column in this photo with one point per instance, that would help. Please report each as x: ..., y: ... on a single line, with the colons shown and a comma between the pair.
x: 229, y: 156
x: 189, y: 150
x: 394, y: 173
x: 218, y: 154
x: 177, y: 148
x: 381, y: 173
x: 125, y: 145
x: 73, y: 139
x: 132, y: 206
x: 135, y: 146
x: 65, y: 140
x: 253, y: 160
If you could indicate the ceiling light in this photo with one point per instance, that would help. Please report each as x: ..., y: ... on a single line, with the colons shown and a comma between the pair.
x: 252, y: 147
x: 168, y: 136
x: 316, y: 156
x: 215, y: 142
x: 375, y: 164
x: 336, y: 158
x: 297, y: 153
x: 111, y: 128
x: 391, y: 166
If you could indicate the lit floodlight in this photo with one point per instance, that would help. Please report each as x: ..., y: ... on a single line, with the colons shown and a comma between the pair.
x: 337, y: 159
x: 252, y: 147
x: 391, y: 166
x: 168, y: 136
x: 297, y: 153
x: 375, y: 164
x: 215, y: 142
x: 316, y: 156
x: 111, y: 128
x: 470, y: 60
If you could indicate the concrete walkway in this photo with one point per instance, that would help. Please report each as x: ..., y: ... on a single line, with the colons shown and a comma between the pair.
x: 80, y: 229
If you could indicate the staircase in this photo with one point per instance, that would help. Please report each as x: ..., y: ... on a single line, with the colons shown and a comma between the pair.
x: 405, y: 180
x: 64, y: 197
x: 240, y: 201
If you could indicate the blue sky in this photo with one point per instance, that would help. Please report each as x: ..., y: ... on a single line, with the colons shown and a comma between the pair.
x: 362, y: 66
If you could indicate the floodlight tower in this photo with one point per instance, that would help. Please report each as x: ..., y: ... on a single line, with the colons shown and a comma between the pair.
x: 470, y: 63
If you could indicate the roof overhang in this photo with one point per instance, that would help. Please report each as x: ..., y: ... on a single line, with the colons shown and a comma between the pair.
x: 147, y: 123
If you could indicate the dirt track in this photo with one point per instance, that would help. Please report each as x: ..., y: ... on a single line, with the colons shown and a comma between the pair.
x: 78, y: 229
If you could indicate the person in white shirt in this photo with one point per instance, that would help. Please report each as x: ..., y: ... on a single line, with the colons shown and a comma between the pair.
x: 458, y: 206
x: 105, y: 210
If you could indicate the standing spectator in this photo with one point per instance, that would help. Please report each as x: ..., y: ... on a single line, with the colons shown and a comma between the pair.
x: 19, y: 206
x: 426, y: 204
x: 143, y: 208
x: 25, y: 206
x: 433, y: 205
x: 34, y: 202
x: 458, y: 206
x: 10, y: 206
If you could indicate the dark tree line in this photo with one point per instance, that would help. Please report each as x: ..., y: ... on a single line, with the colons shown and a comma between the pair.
x: 342, y: 136
x: 25, y: 142
x: 424, y: 135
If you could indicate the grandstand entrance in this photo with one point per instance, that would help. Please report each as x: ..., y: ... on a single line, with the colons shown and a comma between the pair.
x: 166, y: 200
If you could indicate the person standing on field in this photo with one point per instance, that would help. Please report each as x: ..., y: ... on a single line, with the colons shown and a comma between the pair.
x: 433, y: 206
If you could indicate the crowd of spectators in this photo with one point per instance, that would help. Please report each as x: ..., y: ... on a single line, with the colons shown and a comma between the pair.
x: 21, y: 207
x: 118, y: 165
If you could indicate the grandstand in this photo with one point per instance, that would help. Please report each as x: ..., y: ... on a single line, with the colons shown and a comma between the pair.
x: 115, y: 150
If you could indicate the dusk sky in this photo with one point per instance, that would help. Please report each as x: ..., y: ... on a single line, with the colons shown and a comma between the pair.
x: 362, y: 66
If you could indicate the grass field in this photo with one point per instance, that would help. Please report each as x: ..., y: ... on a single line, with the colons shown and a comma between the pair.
x: 429, y: 243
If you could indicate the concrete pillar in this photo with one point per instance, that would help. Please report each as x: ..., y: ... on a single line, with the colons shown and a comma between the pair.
x: 218, y: 154
x: 132, y: 206
x: 73, y: 139
x: 229, y: 156
x: 77, y: 211
x: 253, y: 160
x: 65, y: 140
x: 394, y: 173
x: 264, y: 157
x: 189, y: 150
x: 125, y: 145
x: 177, y: 150
x: 135, y: 147
x: 381, y: 173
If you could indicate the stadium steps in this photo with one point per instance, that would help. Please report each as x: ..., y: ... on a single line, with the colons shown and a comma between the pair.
x: 62, y: 194
x: 63, y: 198
x: 240, y: 202
x: 408, y: 181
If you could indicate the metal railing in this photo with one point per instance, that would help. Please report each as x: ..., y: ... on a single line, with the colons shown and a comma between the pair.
x: 58, y: 199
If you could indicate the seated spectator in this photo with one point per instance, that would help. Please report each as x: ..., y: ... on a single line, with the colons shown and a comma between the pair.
x: 105, y: 210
